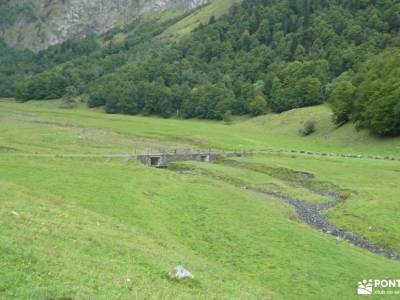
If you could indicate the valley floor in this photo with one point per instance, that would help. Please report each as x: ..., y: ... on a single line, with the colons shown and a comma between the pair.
x: 100, y: 226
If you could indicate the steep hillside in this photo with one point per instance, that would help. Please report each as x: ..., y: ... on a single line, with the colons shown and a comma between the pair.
x: 216, y: 9
x: 36, y: 24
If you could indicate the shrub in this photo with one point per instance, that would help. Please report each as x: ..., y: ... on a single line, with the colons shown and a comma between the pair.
x: 308, y: 127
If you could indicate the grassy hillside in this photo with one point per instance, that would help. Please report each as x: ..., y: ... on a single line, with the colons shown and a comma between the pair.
x: 271, y: 131
x: 93, y: 227
x: 216, y: 8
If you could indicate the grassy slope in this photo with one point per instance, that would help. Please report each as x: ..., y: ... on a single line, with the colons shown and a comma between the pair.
x: 372, y: 209
x: 216, y: 8
x: 184, y: 24
x: 272, y: 131
x: 112, y: 229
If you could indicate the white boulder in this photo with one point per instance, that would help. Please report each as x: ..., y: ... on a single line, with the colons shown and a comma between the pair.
x: 180, y: 273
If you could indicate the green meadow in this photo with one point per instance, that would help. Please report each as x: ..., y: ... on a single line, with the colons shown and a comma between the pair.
x: 102, y: 227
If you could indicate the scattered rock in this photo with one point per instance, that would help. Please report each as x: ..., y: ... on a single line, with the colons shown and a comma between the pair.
x: 304, y: 175
x: 7, y: 149
x: 180, y: 273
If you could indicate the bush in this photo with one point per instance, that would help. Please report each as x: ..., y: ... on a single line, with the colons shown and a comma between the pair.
x: 308, y: 127
x: 68, y: 103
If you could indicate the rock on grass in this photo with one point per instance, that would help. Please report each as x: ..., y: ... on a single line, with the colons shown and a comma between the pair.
x: 180, y: 273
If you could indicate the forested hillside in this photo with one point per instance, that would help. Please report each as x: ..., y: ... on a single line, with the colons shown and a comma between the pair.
x: 264, y: 55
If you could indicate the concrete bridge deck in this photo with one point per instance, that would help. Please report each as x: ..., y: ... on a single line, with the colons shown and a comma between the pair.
x: 162, y: 159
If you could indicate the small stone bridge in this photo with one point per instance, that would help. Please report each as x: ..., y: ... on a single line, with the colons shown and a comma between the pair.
x: 162, y: 159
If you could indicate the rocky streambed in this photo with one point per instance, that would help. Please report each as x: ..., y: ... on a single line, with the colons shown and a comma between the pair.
x: 311, y: 214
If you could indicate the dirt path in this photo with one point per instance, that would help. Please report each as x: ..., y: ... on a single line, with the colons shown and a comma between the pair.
x: 311, y: 215
x: 228, y: 153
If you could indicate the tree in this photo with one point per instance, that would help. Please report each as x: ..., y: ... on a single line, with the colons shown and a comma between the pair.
x: 68, y: 98
x: 258, y: 106
x: 278, y: 101
x: 307, y: 92
x: 382, y: 114
x: 21, y: 93
x: 97, y: 96
x: 341, y: 101
x: 370, y: 97
x: 227, y: 117
x: 393, y: 16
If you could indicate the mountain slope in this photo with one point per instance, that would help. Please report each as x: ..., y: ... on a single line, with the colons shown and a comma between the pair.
x: 216, y: 8
x: 259, y: 57
x: 37, y: 24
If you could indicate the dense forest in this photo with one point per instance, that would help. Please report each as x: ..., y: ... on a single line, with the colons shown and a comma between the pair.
x: 263, y: 56
x: 370, y: 95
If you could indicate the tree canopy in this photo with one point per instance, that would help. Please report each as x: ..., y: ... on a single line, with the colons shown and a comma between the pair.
x: 371, y: 96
